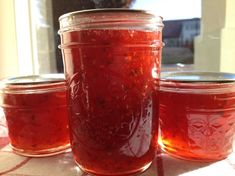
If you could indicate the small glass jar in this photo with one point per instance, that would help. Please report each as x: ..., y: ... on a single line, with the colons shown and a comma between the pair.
x: 112, y: 63
x: 35, y: 108
x: 197, y: 115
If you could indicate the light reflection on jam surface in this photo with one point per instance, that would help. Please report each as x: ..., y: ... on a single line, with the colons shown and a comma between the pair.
x: 113, y: 98
x: 198, y: 126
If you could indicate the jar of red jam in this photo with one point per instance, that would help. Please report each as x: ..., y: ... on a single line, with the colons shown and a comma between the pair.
x: 112, y: 64
x: 197, y: 115
x: 36, y: 113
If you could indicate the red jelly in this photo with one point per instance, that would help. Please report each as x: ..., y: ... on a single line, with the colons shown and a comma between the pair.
x: 112, y: 64
x: 197, y: 115
x: 35, y: 108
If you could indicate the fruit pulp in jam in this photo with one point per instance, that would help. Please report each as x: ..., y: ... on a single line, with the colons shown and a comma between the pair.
x: 113, y: 98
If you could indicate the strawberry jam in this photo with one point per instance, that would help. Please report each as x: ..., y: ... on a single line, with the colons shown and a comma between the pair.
x: 197, y: 115
x: 112, y: 72
x: 36, y: 113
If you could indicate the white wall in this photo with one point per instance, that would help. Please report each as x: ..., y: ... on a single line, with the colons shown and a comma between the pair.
x: 8, y: 47
x: 215, y: 47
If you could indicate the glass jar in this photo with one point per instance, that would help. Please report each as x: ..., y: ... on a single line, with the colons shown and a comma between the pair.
x: 197, y: 115
x: 36, y: 113
x: 112, y: 63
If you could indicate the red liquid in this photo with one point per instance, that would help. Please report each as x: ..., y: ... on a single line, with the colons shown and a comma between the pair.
x: 198, y: 125
x: 113, y: 98
x: 37, y: 122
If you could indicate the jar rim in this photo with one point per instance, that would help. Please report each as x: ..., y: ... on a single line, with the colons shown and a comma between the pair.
x: 198, y: 77
x: 197, y: 82
x: 33, y: 84
x: 120, y: 17
x: 117, y: 10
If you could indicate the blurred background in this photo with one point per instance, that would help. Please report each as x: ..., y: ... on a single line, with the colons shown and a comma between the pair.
x: 198, y: 34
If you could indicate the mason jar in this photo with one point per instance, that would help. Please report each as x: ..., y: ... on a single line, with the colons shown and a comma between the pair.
x: 197, y: 115
x: 112, y: 63
x: 36, y: 112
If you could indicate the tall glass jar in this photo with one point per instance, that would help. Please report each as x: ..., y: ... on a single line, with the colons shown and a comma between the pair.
x: 112, y: 63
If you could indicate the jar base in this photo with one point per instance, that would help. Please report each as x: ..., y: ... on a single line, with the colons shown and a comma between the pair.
x: 179, y: 155
x: 128, y: 173
x: 41, y: 153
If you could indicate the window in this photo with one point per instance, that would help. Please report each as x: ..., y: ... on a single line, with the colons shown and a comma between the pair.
x: 35, y: 32
x: 44, y: 25
x: 34, y: 44
x: 180, y: 17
